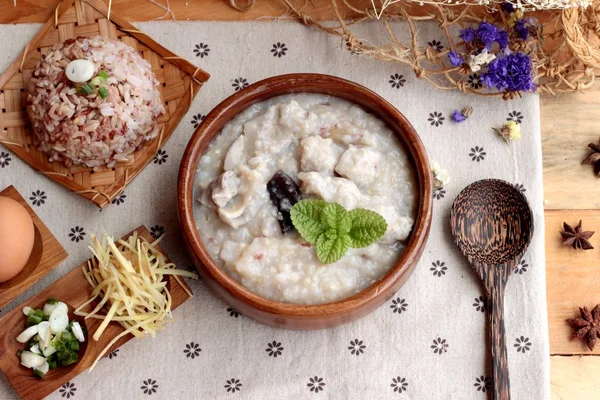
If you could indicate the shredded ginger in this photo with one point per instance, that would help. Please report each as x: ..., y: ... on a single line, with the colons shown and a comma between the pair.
x: 127, y: 278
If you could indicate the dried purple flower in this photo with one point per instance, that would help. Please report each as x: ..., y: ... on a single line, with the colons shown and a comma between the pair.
x: 467, y: 35
x: 487, y: 33
x: 502, y: 39
x: 458, y: 117
x: 455, y: 59
x: 525, y: 26
x: 510, y: 73
x: 508, y: 8
x: 522, y: 29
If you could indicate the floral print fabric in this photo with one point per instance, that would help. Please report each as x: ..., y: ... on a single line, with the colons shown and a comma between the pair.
x: 426, y: 342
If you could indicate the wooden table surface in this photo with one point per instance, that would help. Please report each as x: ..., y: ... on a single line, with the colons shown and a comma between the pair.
x: 572, y: 192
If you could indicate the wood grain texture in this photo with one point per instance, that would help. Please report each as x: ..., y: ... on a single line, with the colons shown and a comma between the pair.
x: 47, y: 254
x: 292, y: 316
x: 572, y: 277
x: 574, y: 378
x: 179, y: 82
x: 492, y: 226
x: 142, y: 10
x: 569, y: 123
x: 73, y: 289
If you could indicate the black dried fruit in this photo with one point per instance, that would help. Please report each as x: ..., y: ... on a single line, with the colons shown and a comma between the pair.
x: 284, y: 193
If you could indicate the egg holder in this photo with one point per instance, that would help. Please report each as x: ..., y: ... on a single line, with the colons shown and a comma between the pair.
x: 179, y: 82
x: 46, y: 255
x: 73, y: 289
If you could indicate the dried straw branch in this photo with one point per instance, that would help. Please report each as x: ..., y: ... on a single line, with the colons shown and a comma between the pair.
x: 565, y: 55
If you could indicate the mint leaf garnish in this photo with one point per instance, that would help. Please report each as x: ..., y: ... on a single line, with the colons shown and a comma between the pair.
x: 335, y: 216
x: 306, y: 217
x: 332, y: 246
x: 333, y: 230
x: 367, y: 227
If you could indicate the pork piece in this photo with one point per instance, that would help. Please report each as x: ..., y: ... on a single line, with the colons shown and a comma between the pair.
x: 345, y: 133
x: 359, y: 164
x: 318, y: 154
x: 339, y: 190
x: 284, y: 193
x: 236, y: 154
x: 220, y: 191
x: 235, y: 196
x: 296, y: 119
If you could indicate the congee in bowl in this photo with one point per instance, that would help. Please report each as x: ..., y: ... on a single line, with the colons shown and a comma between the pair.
x: 291, y: 148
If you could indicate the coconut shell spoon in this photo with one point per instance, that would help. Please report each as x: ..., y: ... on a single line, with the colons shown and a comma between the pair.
x: 492, y: 226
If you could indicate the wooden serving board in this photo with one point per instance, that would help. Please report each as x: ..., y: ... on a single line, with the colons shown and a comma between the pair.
x: 46, y: 255
x: 73, y: 289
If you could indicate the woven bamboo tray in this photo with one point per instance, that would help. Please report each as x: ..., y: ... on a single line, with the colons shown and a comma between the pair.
x: 179, y: 83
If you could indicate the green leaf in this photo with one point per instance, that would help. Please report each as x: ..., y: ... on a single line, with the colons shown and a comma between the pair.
x: 307, y: 219
x: 331, y: 246
x: 335, y: 216
x: 367, y: 227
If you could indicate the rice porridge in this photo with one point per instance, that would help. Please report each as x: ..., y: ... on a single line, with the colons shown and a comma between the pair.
x: 332, y: 150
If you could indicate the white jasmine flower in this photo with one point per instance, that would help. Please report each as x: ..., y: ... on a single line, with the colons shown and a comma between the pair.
x: 481, y: 59
x: 441, y: 177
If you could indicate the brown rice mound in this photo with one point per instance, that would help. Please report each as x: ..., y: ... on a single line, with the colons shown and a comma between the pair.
x: 78, y: 128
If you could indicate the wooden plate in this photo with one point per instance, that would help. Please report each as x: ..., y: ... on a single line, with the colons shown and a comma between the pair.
x: 294, y: 316
x: 47, y: 254
x: 73, y: 289
x: 179, y: 80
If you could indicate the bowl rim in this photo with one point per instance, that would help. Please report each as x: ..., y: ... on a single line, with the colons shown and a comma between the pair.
x: 285, y: 84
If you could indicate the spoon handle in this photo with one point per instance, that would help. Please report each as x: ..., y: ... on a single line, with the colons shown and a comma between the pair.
x: 500, y: 375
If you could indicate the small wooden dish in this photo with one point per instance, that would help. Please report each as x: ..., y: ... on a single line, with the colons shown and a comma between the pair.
x: 47, y: 254
x: 179, y: 80
x: 291, y: 316
x: 73, y: 289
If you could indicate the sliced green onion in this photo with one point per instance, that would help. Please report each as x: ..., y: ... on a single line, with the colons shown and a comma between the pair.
x: 85, y: 89
x: 67, y: 337
x: 74, y: 345
x: 39, y: 313
x: 103, y: 74
x: 64, y: 355
x: 34, y: 319
x: 52, y: 364
x: 52, y: 300
x: 73, y: 357
x: 19, y: 352
x: 97, y: 81
x: 38, y: 373
x: 103, y: 92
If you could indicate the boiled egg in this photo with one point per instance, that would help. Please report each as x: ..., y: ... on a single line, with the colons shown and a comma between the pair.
x: 16, y: 238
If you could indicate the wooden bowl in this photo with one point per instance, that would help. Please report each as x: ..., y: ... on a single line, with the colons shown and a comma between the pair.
x: 285, y: 315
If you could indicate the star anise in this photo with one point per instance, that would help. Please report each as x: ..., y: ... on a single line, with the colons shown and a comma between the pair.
x: 594, y: 158
x: 576, y: 237
x: 588, y: 326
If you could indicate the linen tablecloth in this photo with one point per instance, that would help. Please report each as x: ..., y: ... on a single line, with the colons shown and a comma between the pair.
x: 428, y: 342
